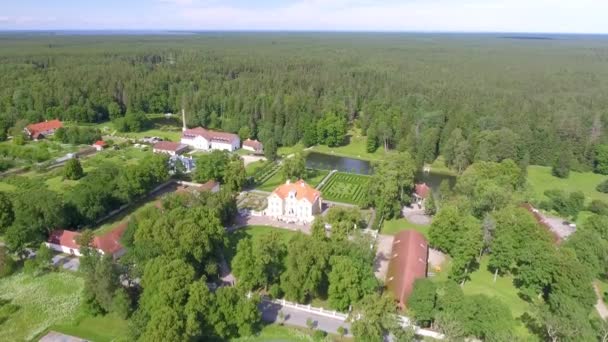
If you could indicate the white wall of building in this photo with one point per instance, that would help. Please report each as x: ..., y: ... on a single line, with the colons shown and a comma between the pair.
x: 292, y: 209
x: 199, y: 143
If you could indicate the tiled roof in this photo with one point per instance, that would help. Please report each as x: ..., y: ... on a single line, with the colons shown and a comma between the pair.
x: 408, y: 262
x: 422, y: 190
x: 169, y: 146
x: 210, y: 135
x: 65, y: 238
x: 109, y: 243
x: 36, y: 129
x: 100, y: 143
x: 256, y: 145
x: 300, y: 189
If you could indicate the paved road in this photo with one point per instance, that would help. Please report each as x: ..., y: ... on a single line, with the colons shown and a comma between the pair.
x: 270, y: 313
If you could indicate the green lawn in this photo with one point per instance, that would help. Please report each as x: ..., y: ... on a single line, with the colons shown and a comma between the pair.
x: 5, y: 187
x: 99, y: 329
x: 346, y: 188
x: 252, y: 232
x: 287, y: 150
x: 168, y: 129
x: 252, y: 168
x: 540, y: 180
x: 60, y: 185
x: 313, y: 178
x: 278, y: 333
x: 482, y: 282
x: 392, y: 227
x: 43, y: 301
x: 355, y: 148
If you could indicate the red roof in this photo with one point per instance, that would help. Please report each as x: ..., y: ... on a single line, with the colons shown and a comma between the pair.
x: 109, y: 243
x: 100, y: 143
x: 210, y: 135
x: 300, y: 189
x: 169, y: 146
x: 256, y: 145
x: 422, y: 190
x: 36, y: 129
x: 408, y: 262
x: 65, y: 238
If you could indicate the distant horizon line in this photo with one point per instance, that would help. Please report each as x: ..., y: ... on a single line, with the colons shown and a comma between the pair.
x: 146, y: 30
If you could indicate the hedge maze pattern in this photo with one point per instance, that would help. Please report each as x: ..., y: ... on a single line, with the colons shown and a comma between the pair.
x: 346, y: 188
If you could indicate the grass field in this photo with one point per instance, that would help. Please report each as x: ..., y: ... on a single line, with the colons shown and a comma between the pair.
x: 278, y: 333
x: 251, y: 232
x: 99, y: 329
x: 252, y: 168
x: 540, y: 180
x: 482, y: 282
x: 394, y: 226
x: 346, y: 188
x: 43, y: 301
x: 313, y: 178
x: 356, y: 147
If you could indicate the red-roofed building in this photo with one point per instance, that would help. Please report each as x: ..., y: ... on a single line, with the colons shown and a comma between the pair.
x: 421, y: 192
x: 408, y: 262
x: 100, y: 145
x: 294, y: 202
x: 64, y: 241
x: 42, y: 129
x: 169, y: 147
x: 253, y: 145
x: 203, y: 139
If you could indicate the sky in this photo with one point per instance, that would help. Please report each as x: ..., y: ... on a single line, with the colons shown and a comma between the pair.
x: 563, y: 16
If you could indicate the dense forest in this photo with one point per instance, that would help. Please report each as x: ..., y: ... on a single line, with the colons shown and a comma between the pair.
x: 468, y: 97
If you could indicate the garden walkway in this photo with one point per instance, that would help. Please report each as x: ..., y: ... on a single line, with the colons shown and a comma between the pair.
x: 600, y: 306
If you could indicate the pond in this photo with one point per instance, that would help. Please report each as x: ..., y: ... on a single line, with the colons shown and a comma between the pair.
x: 324, y: 161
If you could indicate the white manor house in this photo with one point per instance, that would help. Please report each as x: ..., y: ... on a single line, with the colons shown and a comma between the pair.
x: 295, y: 202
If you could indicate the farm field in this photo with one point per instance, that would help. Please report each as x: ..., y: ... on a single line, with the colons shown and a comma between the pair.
x: 540, y: 180
x: 313, y: 178
x: 346, y: 188
x: 42, y: 301
x: 53, y: 178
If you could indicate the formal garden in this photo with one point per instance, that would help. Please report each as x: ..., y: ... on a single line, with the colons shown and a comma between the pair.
x: 345, y: 188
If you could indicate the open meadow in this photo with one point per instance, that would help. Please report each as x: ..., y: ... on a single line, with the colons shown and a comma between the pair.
x: 541, y: 180
x: 40, y: 302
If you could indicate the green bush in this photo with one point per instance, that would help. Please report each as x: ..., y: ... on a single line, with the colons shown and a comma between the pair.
x: 598, y: 207
x: 7, y: 264
x: 602, y: 187
x: 319, y: 335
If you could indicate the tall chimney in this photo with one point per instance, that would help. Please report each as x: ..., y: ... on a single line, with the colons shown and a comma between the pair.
x: 184, y: 120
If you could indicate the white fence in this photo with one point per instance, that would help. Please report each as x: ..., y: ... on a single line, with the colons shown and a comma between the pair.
x: 405, y: 321
x: 310, y: 309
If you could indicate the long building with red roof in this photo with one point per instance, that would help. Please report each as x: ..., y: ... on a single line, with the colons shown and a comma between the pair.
x: 64, y: 241
x: 409, y: 258
x: 42, y: 129
x: 205, y: 139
